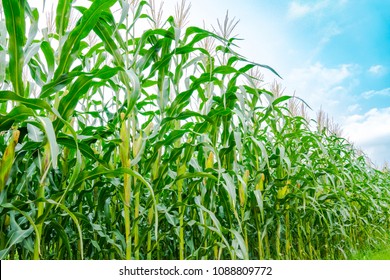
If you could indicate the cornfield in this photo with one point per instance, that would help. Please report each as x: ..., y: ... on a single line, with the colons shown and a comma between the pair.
x: 124, y: 142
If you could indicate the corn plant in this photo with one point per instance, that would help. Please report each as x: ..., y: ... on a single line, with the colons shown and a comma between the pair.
x: 120, y: 142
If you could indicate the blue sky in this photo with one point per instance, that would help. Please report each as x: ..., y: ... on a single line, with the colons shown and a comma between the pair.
x: 334, y: 54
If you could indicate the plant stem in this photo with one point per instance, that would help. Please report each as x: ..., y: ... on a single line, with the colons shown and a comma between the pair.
x: 181, y: 211
x: 125, y: 160
x: 40, y: 205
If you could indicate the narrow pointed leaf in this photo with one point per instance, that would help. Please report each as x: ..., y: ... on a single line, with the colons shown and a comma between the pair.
x: 62, y: 16
x: 51, y: 136
x: 15, y: 22
x: 17, y: 114
x: 16, y: 237
x: 86, y: 24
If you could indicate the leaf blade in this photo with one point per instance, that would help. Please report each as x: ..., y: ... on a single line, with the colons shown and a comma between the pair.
x: 15, y: 23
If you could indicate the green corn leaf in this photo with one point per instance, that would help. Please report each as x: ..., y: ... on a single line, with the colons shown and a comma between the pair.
x: 135, y: 91
x: 31, y: 51
x: 189, y: 49
x: 51, y: 137
x: 260, y: 202
x: 33, y: 14
x: 79, y: 88
x: 76, y: 222
x: 218, y: 227
x: 40, y: 104
x: 75, y: 173
x: 21, y: 234
x: 106, y: 72
x: 86, y: 24
x: 241, y: 243
x: 34, y: 134
x: 131, y: 80
x: 185, y: 115
x: 180, y: 101
x: 16, y: 236
x: 3, y: 50
x: 69, y: 101
x: 196, y: 175
x: 230, y: 188
x: 15, y: 22
x: 147, y: 35
x: 281, y: 99
x: 224, y: 70
x: 30, y: 102
x: 59, y: 229
x: 105, y: 32
x: 161, y: 64
x: 84, y: 148
x: 50, y: 60
x: 18, y: 114
x: 38, y: 73
x: 172, y: 137
x: 125, y: 11
x: 200, y: 34
x: 212, y: 216
x: 59, y: 83
x: 101, y: 171
x: 251, y: 64
x: 62, y: 16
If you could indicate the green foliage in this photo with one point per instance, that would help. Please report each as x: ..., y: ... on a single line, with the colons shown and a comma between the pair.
x: 15, y: 22
x: 163, y: 144
x: 380, y: 251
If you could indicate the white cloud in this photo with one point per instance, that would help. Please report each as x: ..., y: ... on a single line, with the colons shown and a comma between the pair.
x: 354, y: 108
x: 322, y: 75
x: 377, y: 70
x: 371, y: 93
x: 297, y: 10
x: 371, y: 132
x: 324, y: 87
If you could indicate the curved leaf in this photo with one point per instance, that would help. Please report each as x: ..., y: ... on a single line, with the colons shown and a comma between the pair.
x: 51, y: 136
x: 86, y: 24
x: 17, y: 114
